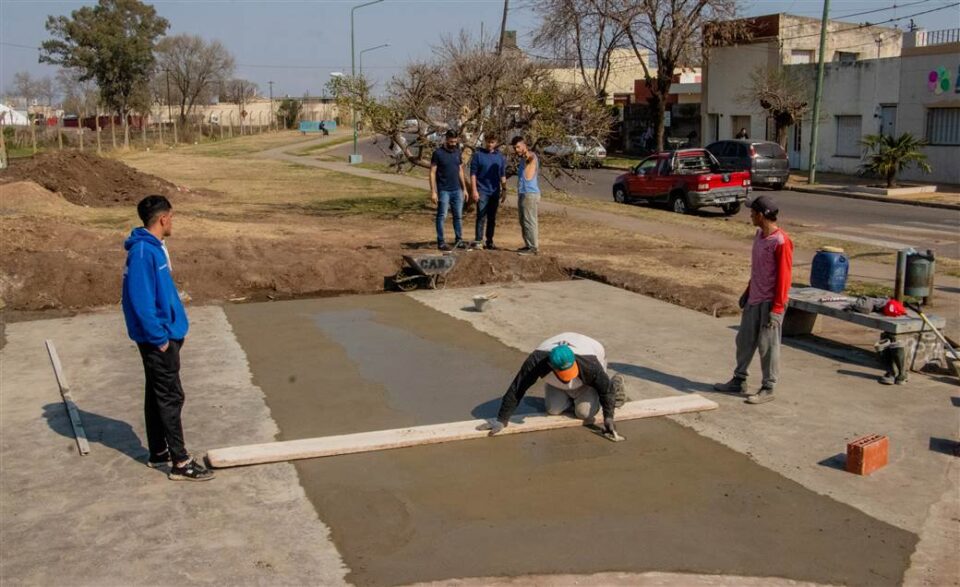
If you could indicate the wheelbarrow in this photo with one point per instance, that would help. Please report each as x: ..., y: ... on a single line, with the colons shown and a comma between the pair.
x: 430, y: 270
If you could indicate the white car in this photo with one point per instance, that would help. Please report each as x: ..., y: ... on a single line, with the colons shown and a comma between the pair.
x: 578, y: 150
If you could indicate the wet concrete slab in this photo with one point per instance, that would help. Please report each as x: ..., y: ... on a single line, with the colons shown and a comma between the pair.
x: 565, y: 501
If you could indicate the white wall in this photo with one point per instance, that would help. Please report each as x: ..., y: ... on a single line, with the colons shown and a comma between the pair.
x: 726, y: 79
x: 916, y: 97
x: 857, y: 88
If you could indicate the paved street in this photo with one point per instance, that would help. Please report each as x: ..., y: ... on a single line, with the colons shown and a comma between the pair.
x: 880, y: 224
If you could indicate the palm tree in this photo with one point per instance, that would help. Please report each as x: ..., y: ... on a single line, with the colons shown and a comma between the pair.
x: 886, y: 155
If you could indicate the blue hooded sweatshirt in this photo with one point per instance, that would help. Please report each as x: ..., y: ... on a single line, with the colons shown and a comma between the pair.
x: 151, y: 304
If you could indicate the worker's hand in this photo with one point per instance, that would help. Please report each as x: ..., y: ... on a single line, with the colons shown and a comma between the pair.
x: 163, y: 348
x: 503, y: 196
x: 434, y: 198
x: 743, y: 300
x: 476, y: 196
x: 775, y: 320
x: 610, y: 432
x: 493, y: 425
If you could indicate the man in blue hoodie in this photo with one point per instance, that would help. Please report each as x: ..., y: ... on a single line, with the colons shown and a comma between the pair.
x: 157, y: 322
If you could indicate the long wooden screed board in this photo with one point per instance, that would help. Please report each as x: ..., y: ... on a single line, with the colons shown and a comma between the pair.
x: 328, y: 446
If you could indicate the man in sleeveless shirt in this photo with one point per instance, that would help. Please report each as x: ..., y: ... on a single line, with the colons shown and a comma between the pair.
x: 528, y: 196
x: 574, y: 369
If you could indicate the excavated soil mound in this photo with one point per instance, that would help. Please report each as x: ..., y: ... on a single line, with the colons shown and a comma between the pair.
x: 26, y: 197
x: 87, y: 180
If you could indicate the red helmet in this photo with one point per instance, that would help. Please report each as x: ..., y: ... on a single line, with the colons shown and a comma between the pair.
x: 893, y: 308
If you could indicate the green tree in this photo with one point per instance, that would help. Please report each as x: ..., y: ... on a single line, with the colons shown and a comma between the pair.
x: 112, y: 43
x: 288, y: 112
x: 886, y: 156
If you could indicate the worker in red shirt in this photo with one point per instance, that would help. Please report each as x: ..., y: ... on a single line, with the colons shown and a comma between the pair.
x: 763, y: 303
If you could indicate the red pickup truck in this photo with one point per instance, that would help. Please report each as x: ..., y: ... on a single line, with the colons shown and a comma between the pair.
x: 686, y: 179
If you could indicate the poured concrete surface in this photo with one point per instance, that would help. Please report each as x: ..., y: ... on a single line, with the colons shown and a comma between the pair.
x: 564, y: 502
x: 823, y: 402
x: 106, y: 519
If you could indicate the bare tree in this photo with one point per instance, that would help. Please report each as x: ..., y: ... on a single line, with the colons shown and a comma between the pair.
x: 579, y: 33
x: 239, y: 92
x: 782, y: 94
x: 79, y: 96
x: 474, y: 93
x: 45, y: 91
x: 671, y: 31
x: 193, y: 65
x: 24, y: 87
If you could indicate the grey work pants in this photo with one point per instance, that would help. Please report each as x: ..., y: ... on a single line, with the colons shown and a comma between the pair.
x: 527, y: 206
x: 585, y: 400
x: 755, y: 334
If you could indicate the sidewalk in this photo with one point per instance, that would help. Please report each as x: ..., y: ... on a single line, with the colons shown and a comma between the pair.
x: 946, y: 197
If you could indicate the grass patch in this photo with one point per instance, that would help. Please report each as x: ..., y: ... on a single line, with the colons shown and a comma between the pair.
x: 245, y: 145
x: 332, y: 142
x: 622, y: 161
x: 381, y: 208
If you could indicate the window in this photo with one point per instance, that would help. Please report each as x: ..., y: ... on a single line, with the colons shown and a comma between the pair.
x: 798, y: 56
x: 646, y: 166
x: 847, y: 57
x: 848, y: 136
x: 770, y: 150
x: 943, y: 126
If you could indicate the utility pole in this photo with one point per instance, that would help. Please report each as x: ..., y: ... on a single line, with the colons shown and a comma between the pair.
x: 818, y: 93
x: 503, y: 26
x: 355, y: 157
x: 272, y: 116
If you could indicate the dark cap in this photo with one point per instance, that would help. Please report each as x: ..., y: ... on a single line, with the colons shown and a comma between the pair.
x: 764, y: 204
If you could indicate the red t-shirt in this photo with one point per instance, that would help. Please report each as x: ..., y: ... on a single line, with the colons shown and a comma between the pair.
x: 771, y: 269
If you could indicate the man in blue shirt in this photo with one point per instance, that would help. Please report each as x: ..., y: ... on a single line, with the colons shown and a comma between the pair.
x: 488, y: 178
x: 157, y: 322
x: 447, y: 186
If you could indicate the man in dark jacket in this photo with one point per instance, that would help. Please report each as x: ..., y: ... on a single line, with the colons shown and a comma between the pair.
x: 157, y: 322
x: 574, y: 368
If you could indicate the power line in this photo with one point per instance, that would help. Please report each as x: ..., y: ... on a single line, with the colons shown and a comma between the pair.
x: 866, y: 25
x: 875, y: 10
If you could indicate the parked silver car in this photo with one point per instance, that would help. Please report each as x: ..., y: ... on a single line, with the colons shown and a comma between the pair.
x: 577, y: 151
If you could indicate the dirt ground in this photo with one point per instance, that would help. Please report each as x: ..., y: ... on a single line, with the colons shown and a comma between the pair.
x: 248, y: 228
x: 86, y: 179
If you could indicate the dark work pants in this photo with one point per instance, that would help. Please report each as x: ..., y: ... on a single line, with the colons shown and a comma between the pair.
x: 163, y: 400
x: 487, y: 208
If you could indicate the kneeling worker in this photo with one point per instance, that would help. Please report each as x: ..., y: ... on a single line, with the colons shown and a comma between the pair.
x: 574, y: 368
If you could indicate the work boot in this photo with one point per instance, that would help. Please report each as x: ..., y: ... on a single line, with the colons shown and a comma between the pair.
x: 888, y: 378
x: 476, y: 246
x: 900, y: 364
x: 761, y: 397
x: 735, y: 385
x: 490, y: 246
x: 459, y: 244
x: 443, y: 247
x: 619, y: 393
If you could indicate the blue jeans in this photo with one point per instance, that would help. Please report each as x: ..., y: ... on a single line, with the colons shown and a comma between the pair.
x: 454, y: 201
x: 487, y: 215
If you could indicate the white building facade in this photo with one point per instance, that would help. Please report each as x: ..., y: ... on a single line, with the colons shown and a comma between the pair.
x: 877, y: 80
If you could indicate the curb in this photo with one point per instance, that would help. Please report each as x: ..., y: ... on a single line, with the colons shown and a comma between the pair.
x: 872, y: 198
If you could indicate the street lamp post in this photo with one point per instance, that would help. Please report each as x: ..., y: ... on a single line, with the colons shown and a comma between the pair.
x: 355, y: 157
x: 360, y: 56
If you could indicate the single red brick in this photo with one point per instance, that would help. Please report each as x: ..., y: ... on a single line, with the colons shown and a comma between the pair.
x: 867, y: 454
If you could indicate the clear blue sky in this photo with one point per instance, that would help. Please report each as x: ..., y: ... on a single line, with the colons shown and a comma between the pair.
x: 297, y: 43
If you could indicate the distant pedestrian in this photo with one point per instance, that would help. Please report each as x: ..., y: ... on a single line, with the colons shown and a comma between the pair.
x: 488, y: 178
x: 447, y: 187
x: 743, y: 134
x: 528, y: 196
x: 157, y: 322
x: 764, y: 303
